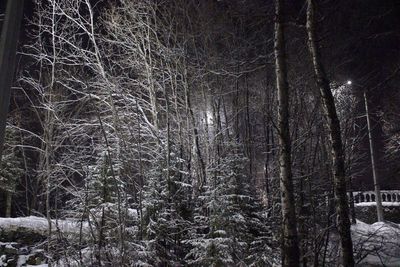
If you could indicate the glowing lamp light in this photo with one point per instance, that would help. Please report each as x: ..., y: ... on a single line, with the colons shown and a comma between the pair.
x: 349, y: 82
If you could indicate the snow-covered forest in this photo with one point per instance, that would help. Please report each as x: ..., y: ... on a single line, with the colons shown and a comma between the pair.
x: 199, y: 133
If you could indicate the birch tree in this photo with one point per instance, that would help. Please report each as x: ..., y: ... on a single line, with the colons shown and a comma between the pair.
x: 290, y: 243
x: 333, y: 126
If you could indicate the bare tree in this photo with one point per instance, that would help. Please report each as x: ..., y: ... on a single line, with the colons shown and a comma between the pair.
x: 290, y: 243
x: 337, y: 153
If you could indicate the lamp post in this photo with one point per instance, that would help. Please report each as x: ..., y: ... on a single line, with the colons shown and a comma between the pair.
x: 378, y: 196
x: 379, y: 209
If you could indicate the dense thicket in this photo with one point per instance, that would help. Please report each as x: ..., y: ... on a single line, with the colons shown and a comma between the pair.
x: 154, y: 125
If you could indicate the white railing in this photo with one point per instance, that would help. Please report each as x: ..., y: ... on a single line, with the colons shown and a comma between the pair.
x: 369, y: 196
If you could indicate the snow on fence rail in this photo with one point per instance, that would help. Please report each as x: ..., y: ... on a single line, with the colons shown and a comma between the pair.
x: 389, y: 197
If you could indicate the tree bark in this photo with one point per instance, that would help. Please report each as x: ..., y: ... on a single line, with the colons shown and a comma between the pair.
x: 8, y: 47
x: 8, y: 204
x: 337, y: 153
x: 290, y: 243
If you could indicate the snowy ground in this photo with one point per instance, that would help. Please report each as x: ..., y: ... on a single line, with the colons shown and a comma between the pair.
x: 40, y: 224
x: 15, y: 254
x: 377, y: 244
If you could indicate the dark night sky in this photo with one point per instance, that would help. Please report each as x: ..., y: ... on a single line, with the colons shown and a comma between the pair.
x: 370, y: 33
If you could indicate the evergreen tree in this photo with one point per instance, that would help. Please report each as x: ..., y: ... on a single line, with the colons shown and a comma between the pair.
x: 166, y: 210
x: 229, y: 224
x: 11, y: 168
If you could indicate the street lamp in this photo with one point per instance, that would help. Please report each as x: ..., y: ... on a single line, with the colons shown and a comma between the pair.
x: 379, y: 209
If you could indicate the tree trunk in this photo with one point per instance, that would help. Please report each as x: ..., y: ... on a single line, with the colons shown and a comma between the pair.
x: 203, y: 174
x: 8, y: 47
x: 8, y: 204
x: 290, y: 243
x: 337, y: 153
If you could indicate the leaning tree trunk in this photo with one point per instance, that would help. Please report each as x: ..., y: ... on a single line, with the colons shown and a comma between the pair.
x: 290, y: 243
x: 337, y: 152
x: 8, y: 47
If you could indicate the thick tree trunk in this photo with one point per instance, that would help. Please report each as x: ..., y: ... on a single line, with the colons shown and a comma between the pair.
x: 290, y: 243
x: 8, y: 47
x: 8, y: 204
x: 337, y: 153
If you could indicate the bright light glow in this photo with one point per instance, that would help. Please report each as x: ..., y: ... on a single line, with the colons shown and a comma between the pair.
x: 209, y: 117
x: 349, y: 82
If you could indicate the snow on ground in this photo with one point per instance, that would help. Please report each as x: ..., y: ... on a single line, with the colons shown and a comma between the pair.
x: 40, y: 224
x: 377, y: 244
